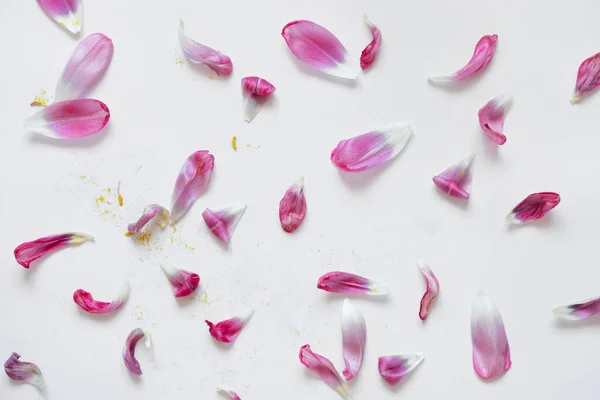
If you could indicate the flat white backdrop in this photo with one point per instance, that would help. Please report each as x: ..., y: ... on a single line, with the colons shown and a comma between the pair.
x: 375, y: 223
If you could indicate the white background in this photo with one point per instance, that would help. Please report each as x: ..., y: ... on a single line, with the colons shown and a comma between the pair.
x: 375, y: 223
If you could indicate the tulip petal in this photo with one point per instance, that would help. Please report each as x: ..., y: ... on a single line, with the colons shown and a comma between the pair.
x: 456, y: 180
x: 23, y: 371
x: 394, y: 368
x: 67, y: 13
x: 292, y: 208
x: 129, y: 350
x: 370, y: 52
x: 85, y: 300
x: 578, y: 311
x: 588, y: 77
x: 533, y: 207
x: 222, y: 222
x: 484, y: 51
x: 325, y: 369
x: 230, y: 393
x: 28, y: 252
x: 152, y: 211
x: 371, y: 149
x: 344, y: 282
x: 182, y: 282
x: 70, y: 119
x: 200, y: 54
x: 354, y: 339
x: 491, y: 353
x: 255, y: 92
x: 192, y: 181
x: 227, y: 331
x: 432, y: 291
x: 491, y: 118
x: 316, y: 46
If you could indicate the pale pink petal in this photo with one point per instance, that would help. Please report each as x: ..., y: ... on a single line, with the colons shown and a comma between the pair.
x: 325, y: 369
x: 533, y: 207
x: 229, y: 393
x: 70, y: 119
x: 491, y: 353
x: 371, y: 149
x: 152, y: 211
x: 344, y: 282
x: 354, y: 339
x: 484, y: 50
x: 394, y: 368
x: 201, y: 54
x: 192, y: 181
x: 227, y: 331
x: 182, y: 282
x: 222, y: 222
x: 432, y: 291
x: 255, y: 92
x: 370, y: 52
x: 491, y: 118
x: 67, y: 13
x: 292, y: 208
x: 23, y: 371
x: 28, y: 252
x: 129, y: 349
x: 85, y: 300
x: 578, y: 311
x: 316, y: 46
x: 456, y: 180
x: 588, y: 77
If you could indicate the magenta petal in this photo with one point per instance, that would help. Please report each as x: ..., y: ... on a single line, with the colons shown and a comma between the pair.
x: 152, y: 211
x: 370, y: 52
x: 578, y: 311
x: 227, y: 331
x: 222, y: 222
x: 455, y: 180
x: 533, y: 207
x: 394, y: 368
x: 325, y: 369
x: 229, y: 393
x: 23, y: 371
x: 344, y: 282
x: 354, y: 339
x: 588, y: 77
x: 292, y: 208
x: 85, y: 300
x: 432, y: 291
x: 182, y: 282
x: 129, y: 350
x: 28, y: 252
x: 201, y: 54
x: 67, y: 13
x: 491, y: 118
x: 192, y: 181
x: 255, y: 92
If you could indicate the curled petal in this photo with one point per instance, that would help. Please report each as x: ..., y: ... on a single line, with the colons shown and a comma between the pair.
x: 230, y: 393
x: 85, y: 300
x: 325, y: 369
x: 192, y: 181
x: 70, y: 119
x: 183, y: 282
x: 491, y: 353
x: 432, y: 291
x: 67, y: 13
x: 370, y: 52
x: 23, y: 371
x: 292, y: 208
x: 86, y: 67
x: 533, y: 207
x: 578, y: 311
x: 344, y: 282
x: 201, y: 54
x: 484, y: 51
x: 316, y: 46
x: 153, y: 210
x: 456, y: 180
x: 354, y: 339
x: 491, y: 118
x: 588, y: 77
x: 129, y: 350
x: 371, y: 149
x: 255, y: 92
x: 28, y: 252
x: 394, y: 368
x: 222, y: 222
x: 227, y: 331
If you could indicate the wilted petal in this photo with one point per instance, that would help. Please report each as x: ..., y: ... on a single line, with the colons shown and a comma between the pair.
x: 67, y: 13
x: 28, y: 252
x: 578, y: 311
x: 85, y: 300
x: 491, y: 118
x: 354, y: 339
x: 183, y: 282
x: 222, y: 222
x: 456, y: 180
x: 484, y: 50
x: 230, y: 393
x: 129, y: 350
x: 70, y: 119
x: 491, y: 353
x: 588, y: 77
x: 534, y: 207
x: 191, y: 183
x: 255, y: 92
x: 344, y: 282
x: 292, y: 208
x: 370, y: 52
x: 394, y: 368
x: 371, y: 149
x: 316, y: 46
x: 325, y: 369
x: 23, y: 371
x: 433, y: 288
x: 153, y: 210
x: 227, y: 331
x: 200, y: 54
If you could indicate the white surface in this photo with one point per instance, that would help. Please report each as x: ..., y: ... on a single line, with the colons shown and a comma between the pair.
x: 376, y: 223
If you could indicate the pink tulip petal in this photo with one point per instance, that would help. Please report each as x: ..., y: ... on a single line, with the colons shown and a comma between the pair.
x: 432, y: 291
x: 70, y: 119
x: 292, y: 208
x: 182, y: 282
x: 578, y: 311
x: 371, y: 149
x: 394, y: 368
x: 222, y: 222
x: 152, y: 211
x: 227, y: 331
x: 67, y: 13
x: 23, y: 371
x: 325, y: 369
x: 255, y: 92
x: 456, y: 180
x: 316, y: 46
x: 491, y: 353
x: 491, y: 118
x: 230, y: 393
x: 354, y: 339
x: 85, y: 300
x: 129, y: 350
x: 370, y: 52
x: 28, y: 252
x: 86, y: 67
x: 200, y: 54
x: 344, y: 282
x: 192, y: 181
x: 533, y: 208
x: 484, y: 51
x: 588, y: 77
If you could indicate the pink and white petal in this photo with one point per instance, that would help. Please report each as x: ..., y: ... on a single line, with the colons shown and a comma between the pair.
x: 229, y: 393
x: 317, y: 47
x: 491, y: 352
x: 456, y: 180
x: 492, y: 115
x: 347, y: 283
x: 133, y: 338
x: 432, y: 291
x: 70, y: 119
x: 255, y: 92
x: 533, y: 207
x: 578, y: 311
x: 227, y: 331
x: 588, y: 78
x: 67, y: 13
x: 183, y: 283
x: 87, y: 303
x: 28, y: 252
x: 152, y: 211
x: 192, y: 181
x: 370, y: 52
x: 325, y: 370
x: 201, y: 54
x: 22, y: 371
x: 354, y: 339
x: 292, y: 207
x: 394, y: 368
x: 222, y: 222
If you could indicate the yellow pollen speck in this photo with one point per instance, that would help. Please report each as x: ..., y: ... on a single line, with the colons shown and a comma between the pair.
x: 234, y: 142
x: 128, y: 234
x: 144, y: 238
x: 120, y: 198
x: 211, y: 77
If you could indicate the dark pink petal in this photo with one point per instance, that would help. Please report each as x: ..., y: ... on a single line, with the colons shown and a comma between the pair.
x: 578, y: 311
x: 85, y: 300
x: 432, y: 291
x: 354, y: 339
x: 394, y: 368
x: 292, y: 208
x: 152, y: 211
x: 129, y: 350
x: 70, y: 119
x: 325, y: 369
x: 588, y: 77
x: 344, y: 282
x: 370, y: 52
x: 222, y: 222
x: 316, y: 46
x: 67, y: 13
x: 192, y: 181
x: 456, y: 180
x: 183, y: 282
x: 255, y: 92
x: 491, y: 118
x: 227, y: 331
x: 201, y: 54
x: 534, y: 207
x: 230, y: 393
x: 23, y: 371
x: 28, y: 252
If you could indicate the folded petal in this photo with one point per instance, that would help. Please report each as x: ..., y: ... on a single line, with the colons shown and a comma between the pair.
x: 578, y: 311
x: 227, y: 331
x: 370, y: 52
x: 85, y: 300
x: 491, y: 118
x: 432, y: 291
x: 344, y: 282
x: 456, y: 180
x: 192, y: 181
x: 292, y: 208
x: 23, y: 371
x: 325, y: 369
x: 67, y: 13
x: 201, y: 54
x: 182, y: 282
x: 129, y: 350
x: 491, y: 353
x: 152, y: 211
x: 255, y: 92
x: 484, y: 50
x: 316, y: 46
x: 371, y: 149
x: 354, y: 339
x: 533, y: 207
x: 230, y: 393
x: 28, y: 252
x: 588, y: 77
x: 222, y: 222
x: 394, y: 368
x: 70, y: 119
